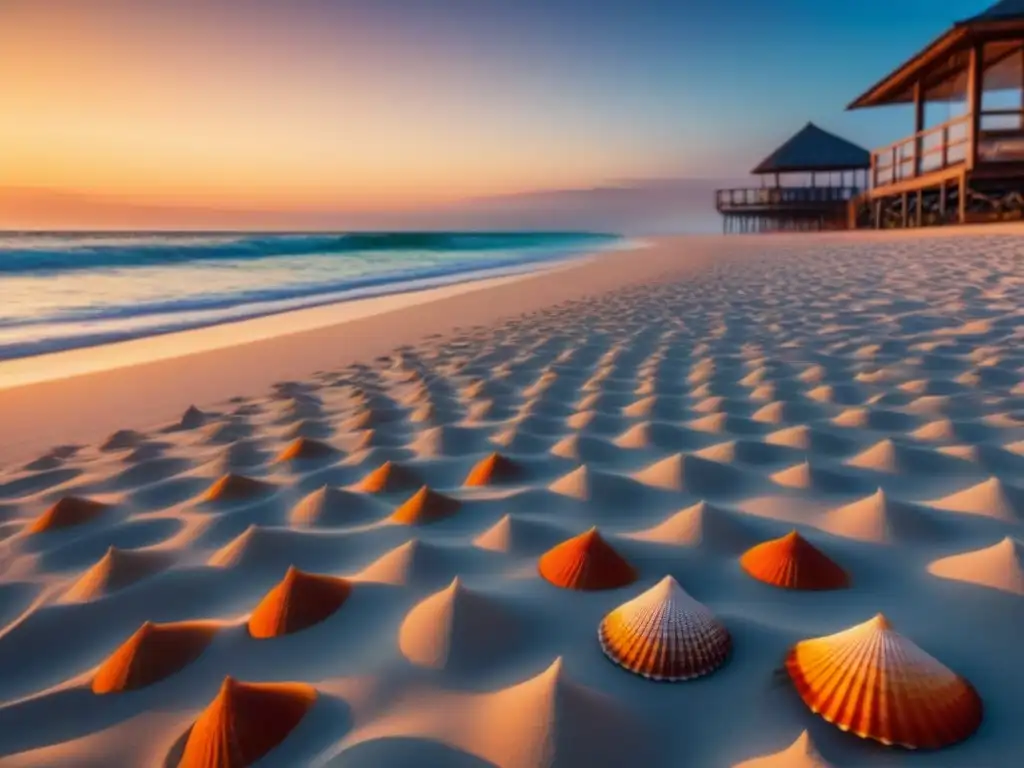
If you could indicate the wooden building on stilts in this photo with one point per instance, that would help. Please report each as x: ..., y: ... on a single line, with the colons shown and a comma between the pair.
x: 806, y: 184
x: 969, y: 168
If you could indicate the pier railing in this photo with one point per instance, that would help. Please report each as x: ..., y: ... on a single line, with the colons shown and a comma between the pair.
x: 934, y: 149
x: 780, y: 198
x: 1000, y: 139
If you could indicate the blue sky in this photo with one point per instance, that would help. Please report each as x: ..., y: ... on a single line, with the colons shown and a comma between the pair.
x: 383, y: 104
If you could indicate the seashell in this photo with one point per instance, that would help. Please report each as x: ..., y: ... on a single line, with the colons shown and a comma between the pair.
x: 244, y: 722
x: 299, y: 601
x: 664, y: 634
x: 492, y: 470
x: 792, y: 562
x: 586, y: 562
x: 873, y: 682
x: 154, y: 652
x: 389, y: 478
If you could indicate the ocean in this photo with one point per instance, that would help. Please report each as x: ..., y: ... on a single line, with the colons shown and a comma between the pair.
x: 65, y: 291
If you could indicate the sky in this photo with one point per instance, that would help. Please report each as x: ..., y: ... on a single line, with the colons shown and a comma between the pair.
x: 317, y: 112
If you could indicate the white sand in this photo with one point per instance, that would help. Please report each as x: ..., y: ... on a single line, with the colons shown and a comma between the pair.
x: 690, y: 400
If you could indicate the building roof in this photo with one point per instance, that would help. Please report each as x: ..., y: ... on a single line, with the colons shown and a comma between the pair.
x: 944, y: 61
x: 1005, y: 9
x: 814, y: 149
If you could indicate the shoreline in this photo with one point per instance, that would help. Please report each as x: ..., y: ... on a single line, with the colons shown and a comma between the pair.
x: 802, y: 439
x: 87, y: 397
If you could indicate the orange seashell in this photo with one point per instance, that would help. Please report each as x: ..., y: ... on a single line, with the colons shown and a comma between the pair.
x: 300, y: 600
x: 69, y: 511
x: 426, y: 506
x: 586, y: 562
x: 389, y: 478
x: 664, y: 634
x: 494, y: 469
x: 792, y: 562
x: 154, y: 652
x: 875, y: 683
x: 244, y: 722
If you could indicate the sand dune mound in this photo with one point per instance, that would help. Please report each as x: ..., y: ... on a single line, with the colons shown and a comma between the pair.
x: 637, y: 436
x: 271, y: 547
x: 414, y: 562
x: 390, y: 477
x: 726, y: 423
x: 192, y: 418
x: 586, y: 562
x: 945, y: 430
x: 69, y: 511
x: 992, y: 458
x: 754, y: 452
x: 545, y: 408
x: 812, y: 440
x: 642, y: 408
x: 807, y: 476
x: 693, y: 474
x: 425, y: 506
x: 306, y: 449
x: 551, y: 721
x: 802, y: 753
x: 781, y: 411
x: 122, y: 440
x: 147, y: 451
x: 704, y: 525
x: 991, y: 498
x: 370, y: 418
x: 117, y: 569
x: 893, y: 458
x: 585, y: 449
x: 446, y: 441
x: 1000, y: 566
x: 245, y: 722
x: 494, y: 470
x: 586, y: 484
x: 239, y: 455
x: 299, y: 601
x: 519, y: 440
x: 154, y: 652
x: 227, y: 432
x: 594, y: 422
x: 233, y: 488
x: 879, y: 519
x: 792, y: 562
x: 519, y: 536
x: 838, y: 394
x: 456, y: 628
x: 329, y: 506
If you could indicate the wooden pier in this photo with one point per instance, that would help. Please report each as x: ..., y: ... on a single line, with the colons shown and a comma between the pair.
x: 966, y: 169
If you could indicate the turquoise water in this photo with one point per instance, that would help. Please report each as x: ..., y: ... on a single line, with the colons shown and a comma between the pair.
x: 63, y: 291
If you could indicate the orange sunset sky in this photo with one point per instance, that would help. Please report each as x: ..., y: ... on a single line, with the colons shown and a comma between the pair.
x: 115, y: 110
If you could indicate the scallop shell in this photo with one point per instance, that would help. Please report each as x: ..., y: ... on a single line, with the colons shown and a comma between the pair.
x: 792, y: 562
x: 875, y: 683
x: 586, y: 562
x: 664, y: 634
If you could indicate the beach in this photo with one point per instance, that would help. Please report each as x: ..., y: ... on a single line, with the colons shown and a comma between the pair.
x: 402, y: 527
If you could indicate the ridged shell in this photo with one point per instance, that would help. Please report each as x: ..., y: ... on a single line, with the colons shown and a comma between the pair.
x: 873, y: 682
x: 586, y: 562
x: 792, y: 562
x: 664, y: 634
